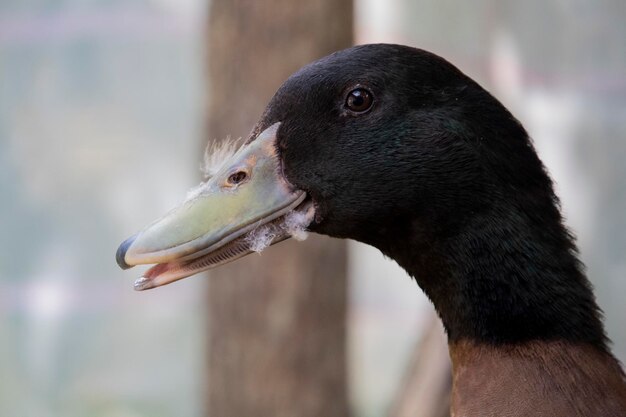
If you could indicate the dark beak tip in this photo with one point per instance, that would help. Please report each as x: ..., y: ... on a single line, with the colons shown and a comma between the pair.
x: 121, y: 252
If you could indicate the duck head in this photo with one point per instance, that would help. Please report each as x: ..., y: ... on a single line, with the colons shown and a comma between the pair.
x: 395, y: 147
x: 384, y: 144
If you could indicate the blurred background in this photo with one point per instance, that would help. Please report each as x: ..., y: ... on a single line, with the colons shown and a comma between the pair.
x: 104, y: 107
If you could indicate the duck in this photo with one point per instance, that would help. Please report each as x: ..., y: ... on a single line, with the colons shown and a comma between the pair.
x: 395, y: 147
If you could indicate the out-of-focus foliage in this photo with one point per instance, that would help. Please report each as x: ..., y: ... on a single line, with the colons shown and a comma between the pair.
x: 99, y: 117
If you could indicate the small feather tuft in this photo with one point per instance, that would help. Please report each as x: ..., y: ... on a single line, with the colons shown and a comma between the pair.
x: 217, y: 153
x: 261, y: 237
x: 296, y: 223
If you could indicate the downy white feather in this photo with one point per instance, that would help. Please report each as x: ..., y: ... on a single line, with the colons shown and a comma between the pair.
x: 215, y: 155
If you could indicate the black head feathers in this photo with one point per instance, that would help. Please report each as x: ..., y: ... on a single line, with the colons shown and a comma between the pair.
x: 438, y: 175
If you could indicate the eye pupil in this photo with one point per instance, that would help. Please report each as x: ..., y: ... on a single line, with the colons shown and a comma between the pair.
x: 237, y: 177
x: 359, y: 100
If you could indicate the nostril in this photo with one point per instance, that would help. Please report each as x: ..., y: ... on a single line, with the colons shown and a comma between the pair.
x: 121, y: 252
x: 237, y: 177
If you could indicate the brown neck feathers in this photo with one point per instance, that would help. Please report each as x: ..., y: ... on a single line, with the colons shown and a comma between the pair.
x: 538, y: 379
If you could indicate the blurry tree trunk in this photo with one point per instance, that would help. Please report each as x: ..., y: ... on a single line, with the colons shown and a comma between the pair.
x: 277, y: 321
x: 425, y: 390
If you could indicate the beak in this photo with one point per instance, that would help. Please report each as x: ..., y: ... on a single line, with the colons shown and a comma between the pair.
x: 246, y: 206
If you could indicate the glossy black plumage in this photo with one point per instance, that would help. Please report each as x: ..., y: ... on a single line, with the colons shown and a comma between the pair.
x: 439, y: 176
x: 395, y: 147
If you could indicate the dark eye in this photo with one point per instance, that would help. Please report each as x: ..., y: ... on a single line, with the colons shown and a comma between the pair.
x: 237, y: 178
x: 359, y: 100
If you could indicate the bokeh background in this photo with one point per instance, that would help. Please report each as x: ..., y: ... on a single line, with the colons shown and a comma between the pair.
x: 102, y: 110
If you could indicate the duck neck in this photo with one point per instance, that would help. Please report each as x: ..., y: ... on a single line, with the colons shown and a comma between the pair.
x: 504, y: 277
x: 589, y: 382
